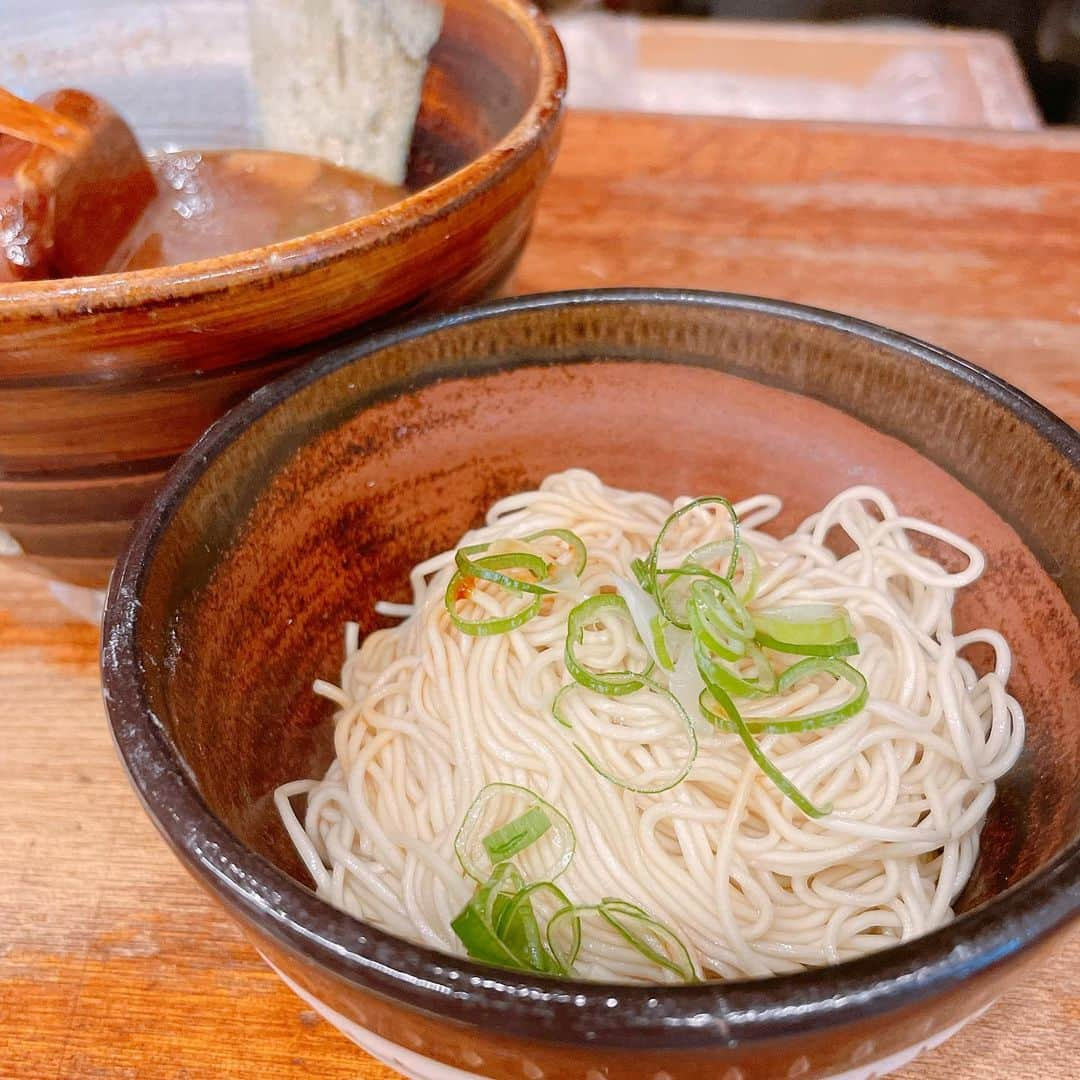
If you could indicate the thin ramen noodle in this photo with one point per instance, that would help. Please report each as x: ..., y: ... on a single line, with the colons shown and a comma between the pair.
x: 626, y: 739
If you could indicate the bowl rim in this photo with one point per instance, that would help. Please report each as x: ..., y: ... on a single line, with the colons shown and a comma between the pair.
x: 563, y: 1011
x: 289, y: 258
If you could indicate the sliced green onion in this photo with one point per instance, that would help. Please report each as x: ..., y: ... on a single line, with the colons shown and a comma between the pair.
x: 653, y: 562
x: 519, y: 930
x: 673, y: 592
x: 719, y: 619
x: 846, y: 647
x: 545, y: 856
x: 558, y: 709
x: 507, y: 840
x: 659, y: 643
x: 641, y: 574
x: 488, y: 568
x: 623, y: 915
x: 721, y: 671
x: 806, y: 624
x: 807, y: 630
x: 499, y: 925
x: 570, y: 915
x: 648, y: 936
x: 572, y: 541
x: 516, y: 555
x: 759, y: 755
x: 719, y: 551
x: 459, y: 588
x: 475, y: 924
x: 621, y: 726
x: 585, y: 614
x: 480, y: 938
x: 787, y: 725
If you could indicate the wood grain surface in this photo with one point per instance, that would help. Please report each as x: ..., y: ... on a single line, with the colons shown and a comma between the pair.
x: 112, y: 962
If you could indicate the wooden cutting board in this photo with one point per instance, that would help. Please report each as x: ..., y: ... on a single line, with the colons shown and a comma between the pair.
x: 114, y: 965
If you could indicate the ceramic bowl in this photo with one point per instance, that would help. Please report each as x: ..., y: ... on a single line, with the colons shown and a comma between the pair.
x: 105, y: 380
x: 313, y: 498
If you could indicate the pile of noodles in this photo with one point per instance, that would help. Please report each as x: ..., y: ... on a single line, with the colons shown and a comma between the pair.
x: 740, y: 875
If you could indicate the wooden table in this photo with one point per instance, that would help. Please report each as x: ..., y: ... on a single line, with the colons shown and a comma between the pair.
x: 113, y: 964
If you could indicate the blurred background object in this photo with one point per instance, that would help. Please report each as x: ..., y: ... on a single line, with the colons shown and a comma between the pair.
x: 906, y: 74
x: 1044, y: 33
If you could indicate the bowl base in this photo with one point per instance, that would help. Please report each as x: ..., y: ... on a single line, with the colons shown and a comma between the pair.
x: 418, y: 1067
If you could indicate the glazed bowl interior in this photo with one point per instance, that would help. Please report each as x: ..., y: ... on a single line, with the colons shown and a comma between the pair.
x: 314, y: 498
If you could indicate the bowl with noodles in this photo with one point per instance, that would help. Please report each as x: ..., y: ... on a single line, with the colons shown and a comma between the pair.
x: 627, y: 684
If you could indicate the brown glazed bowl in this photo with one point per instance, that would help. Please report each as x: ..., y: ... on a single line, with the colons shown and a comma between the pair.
x: 105, y: 380
x: 313, y: 498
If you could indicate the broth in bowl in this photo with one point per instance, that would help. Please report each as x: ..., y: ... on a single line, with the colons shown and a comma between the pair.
x: 214, y: 202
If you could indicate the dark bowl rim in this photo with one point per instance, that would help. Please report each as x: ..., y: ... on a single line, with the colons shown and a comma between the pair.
x: 302, y: 254
x: 563, y: 1011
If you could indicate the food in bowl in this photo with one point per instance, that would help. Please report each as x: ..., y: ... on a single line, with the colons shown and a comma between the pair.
x: 351, y: 87
x: 72, y: 183
x: 77, y: 197
x: 313, y: 501
x: 632, y: 740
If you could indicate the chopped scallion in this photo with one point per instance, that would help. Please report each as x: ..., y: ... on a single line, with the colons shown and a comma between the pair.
x: 625, y: 736
x: 507, y: 840
x: 807, y: 630
x: 649, y: 937
x: 593, y: 612
x: 578, y: 551
x: 460, y: 588
x: 505, y: 820
x: 759, y: 755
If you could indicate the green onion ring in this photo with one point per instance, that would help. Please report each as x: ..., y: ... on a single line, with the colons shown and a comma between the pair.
x: 475, y: 923
x: 487, y: 627
x: 612, y: 683
x: 499, y: 926
x: 787, y: 725
x: 519, y: 929
x: 488, y: 568
x: 652, y: 563
x: 659, y: 642
x: 618, y: 914
x: 641, y: 573
x: 718, y: 618
x: 719, y: 671
x: 617, y: 781
x: 470, y: 851
x: 672, y: 576
x: 611, y: 910
x: 807, y: 630
x: 846, y: 647
x: 759, y: 755
x: 556, y: 705
x: 746, y: 588
x: 572, y: 541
